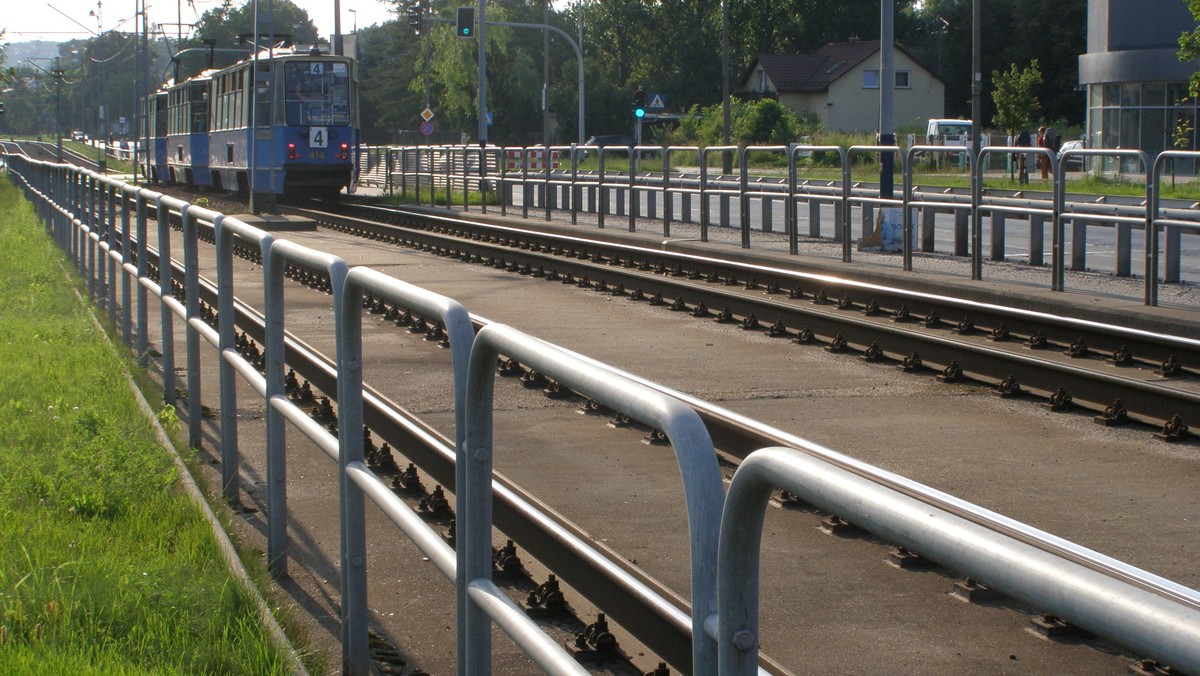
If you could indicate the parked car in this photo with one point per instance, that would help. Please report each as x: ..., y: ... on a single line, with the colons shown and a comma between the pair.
x: 1075, y: 163
x: 78, y: 136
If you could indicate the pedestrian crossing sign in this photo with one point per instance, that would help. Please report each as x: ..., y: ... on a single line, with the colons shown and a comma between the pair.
x: 657, y: 102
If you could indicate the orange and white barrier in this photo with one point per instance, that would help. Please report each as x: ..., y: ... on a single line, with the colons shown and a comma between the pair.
x: 535, y: 158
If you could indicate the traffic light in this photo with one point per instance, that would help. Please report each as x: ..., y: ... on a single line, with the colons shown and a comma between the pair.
x: 466, y: 22
x: 414, y: 16
x: 639, y: 103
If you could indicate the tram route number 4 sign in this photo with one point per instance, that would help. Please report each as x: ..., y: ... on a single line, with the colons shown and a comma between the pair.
x: 318, y: 137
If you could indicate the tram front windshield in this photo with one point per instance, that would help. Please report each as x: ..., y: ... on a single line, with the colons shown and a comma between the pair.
x: 317, y: 93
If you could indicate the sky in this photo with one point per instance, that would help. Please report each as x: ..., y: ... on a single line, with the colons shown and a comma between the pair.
x: 62, y: 20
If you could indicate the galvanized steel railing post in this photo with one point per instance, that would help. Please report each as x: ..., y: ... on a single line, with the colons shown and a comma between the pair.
x: 226, y: 343
x: 416, y: 176
x: 576, y: 189
x: 143, y: 259
x: 1057, y: 235
x: 93, y: 240
x: 191, y: 294
x: 976, y: 215
x: 126, y: 250
x: 166, y: 272
x: 347, y: 309
x: 460, y: 333
x: 704, y: 206
x: 524, y: 182
x: 633, y: 195
x: 274, y: 271
x: 485, y: 181
x: 1153, y: 186
x: 505, y: 190
x: 743, y: 202
x: 546, y: 201
x: 114, y: 190
x: 844, y: 226
x: 907, y: 197
x: 668, y: 204
x: 682, y: 426
x: 601, y: 190
x: 789, y: 209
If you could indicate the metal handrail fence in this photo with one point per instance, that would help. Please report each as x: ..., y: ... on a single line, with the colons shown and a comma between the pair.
x: 702, y: 484
x: 594, y: 191
x: 1108, y: 606
x: 1136, y: 609
x: 69, y: 221
x: 1172, y: 226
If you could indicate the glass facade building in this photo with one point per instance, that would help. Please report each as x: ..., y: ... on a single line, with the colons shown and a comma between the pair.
x: 1136, y: 86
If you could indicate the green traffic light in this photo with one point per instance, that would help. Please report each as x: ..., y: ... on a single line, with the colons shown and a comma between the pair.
x: 639, y: 112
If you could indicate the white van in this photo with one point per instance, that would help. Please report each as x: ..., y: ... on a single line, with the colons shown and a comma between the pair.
x: 947, y: 132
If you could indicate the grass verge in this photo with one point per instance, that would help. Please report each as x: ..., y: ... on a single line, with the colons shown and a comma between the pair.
x: 106, y: 566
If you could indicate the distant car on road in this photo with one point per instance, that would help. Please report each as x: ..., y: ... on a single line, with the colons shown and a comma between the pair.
x: 78, y: 136
x: 1071, y: 163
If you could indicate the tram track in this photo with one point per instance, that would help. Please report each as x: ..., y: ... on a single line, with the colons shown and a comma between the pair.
x: 1119, y: 373
x: 516, y: 512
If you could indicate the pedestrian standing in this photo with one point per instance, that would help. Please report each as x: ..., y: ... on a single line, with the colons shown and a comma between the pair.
x: 1043, y: 141
x: 1023, y: 141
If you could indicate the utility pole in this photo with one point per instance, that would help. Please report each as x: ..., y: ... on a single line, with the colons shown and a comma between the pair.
x: 483, y: 114
x: 337, y: 28
x: 976, y: 128
x: 57, y: 74
x: 137, y: 72
x: 727, y: 164
x: 101, y: 138
x: 887, y: 94
x: 546, y: 74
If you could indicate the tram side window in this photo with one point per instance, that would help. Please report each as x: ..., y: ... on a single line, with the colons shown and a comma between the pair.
x: 317, y: 93
x: 199, y: 108
x: 160, y: 116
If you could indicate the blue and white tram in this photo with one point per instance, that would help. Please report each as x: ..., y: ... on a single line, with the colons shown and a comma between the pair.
x: 154, y: 133
x: 307, y: 133
x: 187, y: 132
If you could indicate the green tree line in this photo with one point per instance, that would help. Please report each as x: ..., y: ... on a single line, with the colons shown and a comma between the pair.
x: 669, y: 47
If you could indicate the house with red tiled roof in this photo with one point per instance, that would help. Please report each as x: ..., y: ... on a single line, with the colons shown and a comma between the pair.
x: 840, y: 84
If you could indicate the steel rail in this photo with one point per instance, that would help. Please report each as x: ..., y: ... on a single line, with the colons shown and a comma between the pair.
x: 731, y: 433
x: 1040, y: 372
x: 654, y: 614
x: 737, y: 436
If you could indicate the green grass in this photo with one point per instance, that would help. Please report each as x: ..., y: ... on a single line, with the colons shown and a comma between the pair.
x: 106, y: 566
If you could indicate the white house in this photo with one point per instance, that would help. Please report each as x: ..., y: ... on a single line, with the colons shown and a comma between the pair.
x: 840, y: 83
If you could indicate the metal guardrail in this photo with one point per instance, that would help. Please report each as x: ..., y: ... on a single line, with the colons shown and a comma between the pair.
x: 636, y: 189
x: 1099, y: 603
x: 80, y: 210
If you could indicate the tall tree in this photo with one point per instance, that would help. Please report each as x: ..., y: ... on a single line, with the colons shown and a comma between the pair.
x: 1014, y: 93
x: 1189, y: 46
x: 1052, y: 31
